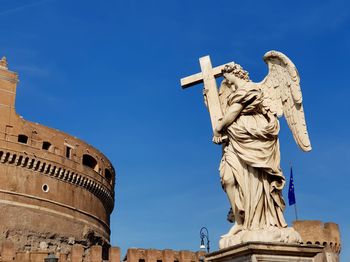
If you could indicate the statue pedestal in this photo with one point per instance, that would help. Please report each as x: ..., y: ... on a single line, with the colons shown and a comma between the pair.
x: 267, y: 252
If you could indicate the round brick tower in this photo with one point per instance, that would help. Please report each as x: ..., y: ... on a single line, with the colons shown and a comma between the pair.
x: 55, y: 190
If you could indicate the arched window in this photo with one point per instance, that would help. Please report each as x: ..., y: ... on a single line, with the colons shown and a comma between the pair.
x: 108, y: 175
x: 22, y: 139
x: 46, y: 145
x: 90, y: 162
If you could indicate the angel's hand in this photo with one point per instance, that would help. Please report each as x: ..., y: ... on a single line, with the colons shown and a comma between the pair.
x: 217, y: 139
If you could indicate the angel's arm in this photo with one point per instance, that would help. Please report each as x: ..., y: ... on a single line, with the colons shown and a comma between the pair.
x: 231, y: 114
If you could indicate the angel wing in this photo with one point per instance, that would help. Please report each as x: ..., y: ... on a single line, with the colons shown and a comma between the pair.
x: 282, y: 95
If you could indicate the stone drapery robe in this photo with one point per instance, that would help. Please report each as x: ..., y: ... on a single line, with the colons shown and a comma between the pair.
x: 252, y: 158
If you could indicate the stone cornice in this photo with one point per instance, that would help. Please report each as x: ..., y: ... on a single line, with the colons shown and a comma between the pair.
x: 58, y: 171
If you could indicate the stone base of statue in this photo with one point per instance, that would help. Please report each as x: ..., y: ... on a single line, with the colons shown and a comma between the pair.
x: 271, y: 235
x: 262, y: 251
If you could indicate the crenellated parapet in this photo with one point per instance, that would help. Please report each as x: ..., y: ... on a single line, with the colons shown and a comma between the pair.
x: 165, y: 255
x: 315, y: 232
x: 75, y: 253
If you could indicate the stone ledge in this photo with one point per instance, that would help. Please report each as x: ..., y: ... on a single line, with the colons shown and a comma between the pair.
x: 259, y: 251
x: 59, y: 172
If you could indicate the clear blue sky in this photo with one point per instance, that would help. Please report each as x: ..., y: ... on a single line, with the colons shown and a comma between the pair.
x: 108, y: 72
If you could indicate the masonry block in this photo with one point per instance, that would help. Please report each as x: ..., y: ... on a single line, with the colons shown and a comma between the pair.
x: 114, y: 254
x: 96, y: 254
x: 77, y: 253
x: 7, y: 251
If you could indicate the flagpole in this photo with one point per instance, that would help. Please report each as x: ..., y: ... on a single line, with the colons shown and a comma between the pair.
x: 296, y: 214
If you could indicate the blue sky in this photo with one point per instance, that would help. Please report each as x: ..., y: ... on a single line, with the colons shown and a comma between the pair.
x: 108, y: 72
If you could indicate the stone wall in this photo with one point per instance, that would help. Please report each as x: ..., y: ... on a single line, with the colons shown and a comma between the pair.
x: 166, y: 255
x: 77, y: 253
x: 315, y: 232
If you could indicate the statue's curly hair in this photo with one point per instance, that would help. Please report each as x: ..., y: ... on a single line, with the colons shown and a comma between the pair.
x: 237, y: 70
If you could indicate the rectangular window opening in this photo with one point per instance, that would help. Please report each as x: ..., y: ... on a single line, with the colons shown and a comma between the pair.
x: 22, y: 139
x: 68, y: 152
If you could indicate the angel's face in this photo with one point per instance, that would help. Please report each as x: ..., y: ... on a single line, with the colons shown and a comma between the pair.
x: 230, y: 85
x: 230, y: 78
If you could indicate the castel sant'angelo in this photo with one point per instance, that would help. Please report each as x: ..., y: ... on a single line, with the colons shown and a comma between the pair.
x: 57, y: 195
x: 55, y: 190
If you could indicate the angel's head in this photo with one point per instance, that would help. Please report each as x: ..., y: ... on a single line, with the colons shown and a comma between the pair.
x: 235, y: 70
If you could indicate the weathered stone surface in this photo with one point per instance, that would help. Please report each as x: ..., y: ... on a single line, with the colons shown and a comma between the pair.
x: 96, y: 254
x: 273, y: 234
x: 319, y: 233
x: 166, y: 255
x: 272, y: 252
x: 77, y: 253
x: 114, y: 254
x: 7, y: 251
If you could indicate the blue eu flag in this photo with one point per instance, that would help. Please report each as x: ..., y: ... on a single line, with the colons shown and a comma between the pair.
x: 291, y: 194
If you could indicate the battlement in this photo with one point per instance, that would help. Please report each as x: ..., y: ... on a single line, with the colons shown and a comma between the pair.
x: 319, y: 233
x: 166, y: 255
x: 76, y: 254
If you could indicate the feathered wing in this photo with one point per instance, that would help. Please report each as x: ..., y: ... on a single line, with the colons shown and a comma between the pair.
x: 282, y: 95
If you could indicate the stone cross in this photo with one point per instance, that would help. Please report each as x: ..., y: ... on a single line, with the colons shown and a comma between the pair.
x: 207, y: 76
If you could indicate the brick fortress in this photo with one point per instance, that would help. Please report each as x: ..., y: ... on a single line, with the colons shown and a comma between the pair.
x: 55, y: 190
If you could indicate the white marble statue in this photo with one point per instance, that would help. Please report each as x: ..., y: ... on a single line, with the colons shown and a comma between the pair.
x: 248, y: 130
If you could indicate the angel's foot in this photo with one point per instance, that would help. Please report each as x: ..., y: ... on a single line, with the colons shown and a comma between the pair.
x: 233, y: 231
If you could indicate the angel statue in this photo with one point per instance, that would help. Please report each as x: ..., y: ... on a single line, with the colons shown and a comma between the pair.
x: 248, y: 131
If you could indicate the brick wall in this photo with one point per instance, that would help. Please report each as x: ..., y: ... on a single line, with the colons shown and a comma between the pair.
x: 166, y: 255
x: 76, y: 254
